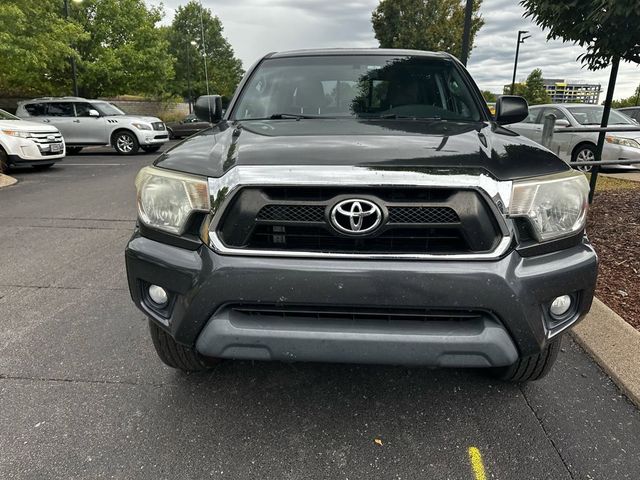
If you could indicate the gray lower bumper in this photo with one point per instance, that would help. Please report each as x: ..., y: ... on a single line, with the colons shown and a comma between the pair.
x: 514, y: 291
x: 479, y: 342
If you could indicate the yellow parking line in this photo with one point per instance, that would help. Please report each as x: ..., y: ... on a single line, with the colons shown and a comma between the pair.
x: 476, y: 464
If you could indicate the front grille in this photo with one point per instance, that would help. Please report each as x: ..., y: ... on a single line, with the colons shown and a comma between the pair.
x: 45, y: 138
x: 401, y: 215
x: 415, y: 221
x: 422, y: 215
x: 319, y: 312
x: 161, y: 137
x: 292, y: 213
x: 158, y: 126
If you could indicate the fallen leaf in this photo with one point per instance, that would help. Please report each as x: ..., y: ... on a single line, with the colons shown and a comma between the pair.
x: 378, y: 441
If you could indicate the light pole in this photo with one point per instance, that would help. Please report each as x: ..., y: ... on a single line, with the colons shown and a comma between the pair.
x: 466, y: 34
x: 193, y: 43
x: 72, y: 59
x: 521, y: 39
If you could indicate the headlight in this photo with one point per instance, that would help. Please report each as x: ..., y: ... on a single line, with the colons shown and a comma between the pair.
x: 16, y: 133
x: 166, y: 199
x: 625, y: 142
x: 556, y: 206
x: 142, y: 126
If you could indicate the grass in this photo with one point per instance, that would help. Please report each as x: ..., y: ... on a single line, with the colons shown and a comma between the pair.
x: 607, y: 184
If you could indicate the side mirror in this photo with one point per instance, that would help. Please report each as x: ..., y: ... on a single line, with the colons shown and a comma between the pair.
x: 562, y: 122
x: 94, y: 113
x: 511, y: 109
x: 208, y: 108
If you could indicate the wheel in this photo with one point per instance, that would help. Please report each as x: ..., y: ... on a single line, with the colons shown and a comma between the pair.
x: 4, y: 162
x: 584, y: 152
x: 73, y: 150
x: 172, y: 135
x: 151, y: 148
x: 45, y: 166
x: 125, y: 143
x: 176, y: 355
x: 533, y: 367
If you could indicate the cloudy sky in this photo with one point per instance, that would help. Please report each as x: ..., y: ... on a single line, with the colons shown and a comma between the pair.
x: 255, y: 27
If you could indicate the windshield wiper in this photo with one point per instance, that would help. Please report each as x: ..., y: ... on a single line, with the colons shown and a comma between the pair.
x: 296, y: 116
x: 394, y: 116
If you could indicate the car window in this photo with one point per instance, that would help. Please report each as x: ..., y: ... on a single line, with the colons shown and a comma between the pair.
x: 190, y: 119
x: 36, y: 109
x: 82, y: 109
x: 107, y: 109
x: 556, y: 111
x: 7, y: 116
x: 362, y: 86
x: 632, y: 112
x: 592, y: 115
x: 60, y: 109
x: 533, y: 115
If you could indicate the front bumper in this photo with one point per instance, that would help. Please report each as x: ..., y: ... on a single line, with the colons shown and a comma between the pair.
x: 24, y: 151
x: 152, y: 137
x: 514, y: 292
x: 620, y: 152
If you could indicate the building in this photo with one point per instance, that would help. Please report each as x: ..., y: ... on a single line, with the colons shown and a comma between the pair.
x: 562, y: 91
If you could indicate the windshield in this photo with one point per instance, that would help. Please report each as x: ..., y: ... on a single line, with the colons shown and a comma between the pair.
x: 106, y: 109
x: 7, y: 116
x: 593, y: 116
x: 357, y: 86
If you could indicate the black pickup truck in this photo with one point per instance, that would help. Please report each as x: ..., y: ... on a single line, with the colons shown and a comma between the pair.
x: 361, y: 206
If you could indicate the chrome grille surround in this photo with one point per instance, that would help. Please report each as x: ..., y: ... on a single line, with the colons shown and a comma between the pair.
x: 223, y: 189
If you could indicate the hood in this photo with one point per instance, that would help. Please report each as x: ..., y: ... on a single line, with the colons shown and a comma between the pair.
x: 478, y: 147
x: 25, y: 126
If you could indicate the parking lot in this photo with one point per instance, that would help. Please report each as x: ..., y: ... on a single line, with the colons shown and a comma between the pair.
x: 83, y: 395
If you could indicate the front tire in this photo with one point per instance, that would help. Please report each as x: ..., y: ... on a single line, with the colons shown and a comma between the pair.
x: 125, y: 142
x: 4, y: 162
x: 151, y: 148
x: 533, y: 367
x: 584, y: 152
x: 176, y: 355
x: 73, y: 150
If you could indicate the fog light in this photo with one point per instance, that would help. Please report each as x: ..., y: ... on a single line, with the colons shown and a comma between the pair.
x: 560, y: 305
x: 159, y: 295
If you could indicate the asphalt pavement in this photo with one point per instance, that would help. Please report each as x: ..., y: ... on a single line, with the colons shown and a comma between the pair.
x: 83, y: 395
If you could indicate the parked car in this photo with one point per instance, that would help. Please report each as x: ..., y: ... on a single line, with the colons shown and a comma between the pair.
x: 28, y: 143
x: 186, y: 127
x: 633, y: 112
x: 361, y: 206
x: 581, y: 147
x: 86, y: 123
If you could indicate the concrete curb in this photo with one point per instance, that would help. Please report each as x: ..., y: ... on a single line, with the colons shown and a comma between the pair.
x: 614, y: 345
x: 6, y: 180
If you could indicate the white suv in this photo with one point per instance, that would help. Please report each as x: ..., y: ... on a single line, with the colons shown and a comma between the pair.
x: 28, y: 143
x: 86, y: 123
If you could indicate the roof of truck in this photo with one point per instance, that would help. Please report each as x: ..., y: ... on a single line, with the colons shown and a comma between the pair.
x: 358, y: 51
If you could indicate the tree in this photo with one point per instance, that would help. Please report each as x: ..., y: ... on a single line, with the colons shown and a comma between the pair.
x: 125, y: 52
x: 534, y: 90
x: 224, y: 69
x: 632, y: 101
x: 488, y: 96
x: 424, y: 24
x: 35, y: 46
x: 590, y: 23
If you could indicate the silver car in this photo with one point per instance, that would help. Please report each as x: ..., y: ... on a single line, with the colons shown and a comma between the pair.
x: 581, y: 147
x: 86, y: 123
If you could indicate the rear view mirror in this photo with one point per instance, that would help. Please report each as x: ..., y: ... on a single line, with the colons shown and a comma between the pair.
x: 94, y: 113
x: 511, y: 109
x: 208, y: 108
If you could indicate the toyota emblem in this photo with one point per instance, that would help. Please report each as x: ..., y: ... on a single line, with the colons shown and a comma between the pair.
x: 356, y: 216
